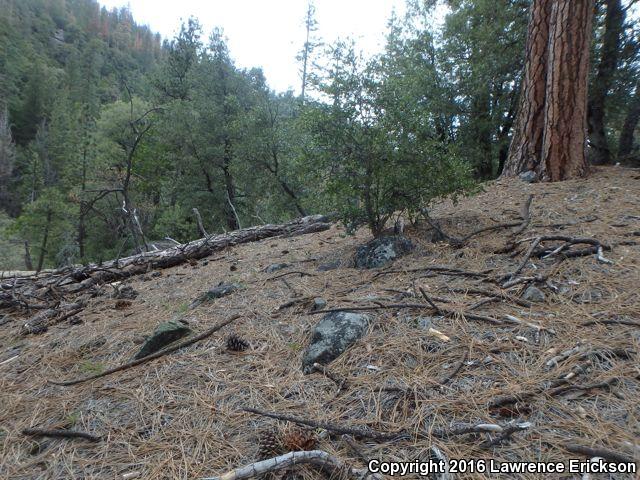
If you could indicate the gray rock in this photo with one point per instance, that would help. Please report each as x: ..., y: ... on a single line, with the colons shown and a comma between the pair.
x: 222, y: 290
x: 332, y: 335
x: 534, y: 294
x: 126, y: 292
x: 380, y: 251
x: 325, y: 267
x: 318, y: 304
x: 274, y: 267
x: 529, y: 176
x: 163, y: 335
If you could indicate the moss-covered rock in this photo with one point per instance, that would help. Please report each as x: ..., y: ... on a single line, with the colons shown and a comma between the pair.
x: 163, y: 335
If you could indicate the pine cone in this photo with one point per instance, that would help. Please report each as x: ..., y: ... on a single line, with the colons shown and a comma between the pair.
x: 236, y: 344
x: 297, y: 439
x: 270, y: 444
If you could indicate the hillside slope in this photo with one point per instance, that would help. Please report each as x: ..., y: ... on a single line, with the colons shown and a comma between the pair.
x: 181, y: 416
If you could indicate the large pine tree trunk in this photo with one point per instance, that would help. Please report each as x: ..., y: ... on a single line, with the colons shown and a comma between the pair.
x: 526, y: 144
x: 550, y: 131
x: 599, y: 152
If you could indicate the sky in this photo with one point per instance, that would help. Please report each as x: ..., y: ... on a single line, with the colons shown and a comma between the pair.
x: 270, y: 33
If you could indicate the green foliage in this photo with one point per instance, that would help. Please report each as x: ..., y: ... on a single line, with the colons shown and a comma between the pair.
x: 45, y: 224
x: 376, y: 161
x: 109, y: 138
x: 11, y: 247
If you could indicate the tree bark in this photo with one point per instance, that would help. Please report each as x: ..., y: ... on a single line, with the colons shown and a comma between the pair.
x: 27, y: 256
x: 526, y: 144
x: 550, y: 132
x: 230, y: 210
x: 599, y: 152
x: 45, y: 239
x: 625, y: 146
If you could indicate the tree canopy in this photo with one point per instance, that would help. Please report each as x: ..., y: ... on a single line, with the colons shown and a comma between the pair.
x: 111, y: 137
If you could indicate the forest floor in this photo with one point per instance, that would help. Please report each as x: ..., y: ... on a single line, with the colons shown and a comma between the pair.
x: 181, y: 416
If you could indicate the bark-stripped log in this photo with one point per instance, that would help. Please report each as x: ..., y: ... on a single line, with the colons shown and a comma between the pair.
x: 79, y: 278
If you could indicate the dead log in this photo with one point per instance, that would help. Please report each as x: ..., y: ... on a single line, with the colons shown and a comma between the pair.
x: 43, y: 320
x: 79, y: 278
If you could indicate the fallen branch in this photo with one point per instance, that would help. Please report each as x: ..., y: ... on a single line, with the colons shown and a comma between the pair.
x: 435, y: 268
x: 42, y: 321
x: 535, y: 326
x: 488, y: 293
x: 430, y: 302
x: 562, y: 356
x: 148, y: 358
x: 502, y: 400
x: 459, y: 242
x: 519, y: 280
x: 613, y: 321
x: 601, y: 258
x: 597, y: 248
x: 199, y: 223
x: 340, y: 382
x: 328, y: 463
x: 585, y: 388
x: 41, y: 432
x: 302, y: 274
x: 78, y: 278
x: 597, y: 452
x: 506, y: 434
x: 356, y: 432
x: 456, y: 370
x: 418, y: 306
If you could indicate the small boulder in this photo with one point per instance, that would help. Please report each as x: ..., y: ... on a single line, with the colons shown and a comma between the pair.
x: 274, y: 267
x: 336, y: 332
x: 318, y: 304
x: 163, y: 335
x: 534, y: 294
x: 222, y: 290
x: 380, y: 251
x: 529, y: 176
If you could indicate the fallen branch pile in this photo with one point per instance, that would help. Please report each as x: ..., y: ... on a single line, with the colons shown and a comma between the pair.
x: 20, y: 292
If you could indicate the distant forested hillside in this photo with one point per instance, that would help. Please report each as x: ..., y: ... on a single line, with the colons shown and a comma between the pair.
x: 114, y: 141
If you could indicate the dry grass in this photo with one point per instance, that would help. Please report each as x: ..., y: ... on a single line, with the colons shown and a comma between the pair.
x: 180, y: 416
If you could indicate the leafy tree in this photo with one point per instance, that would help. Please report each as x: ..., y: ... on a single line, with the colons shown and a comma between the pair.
x: 374, y: 161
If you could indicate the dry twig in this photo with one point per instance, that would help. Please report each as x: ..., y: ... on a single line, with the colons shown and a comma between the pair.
x: 153, y: 356
x: 42, y: 432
